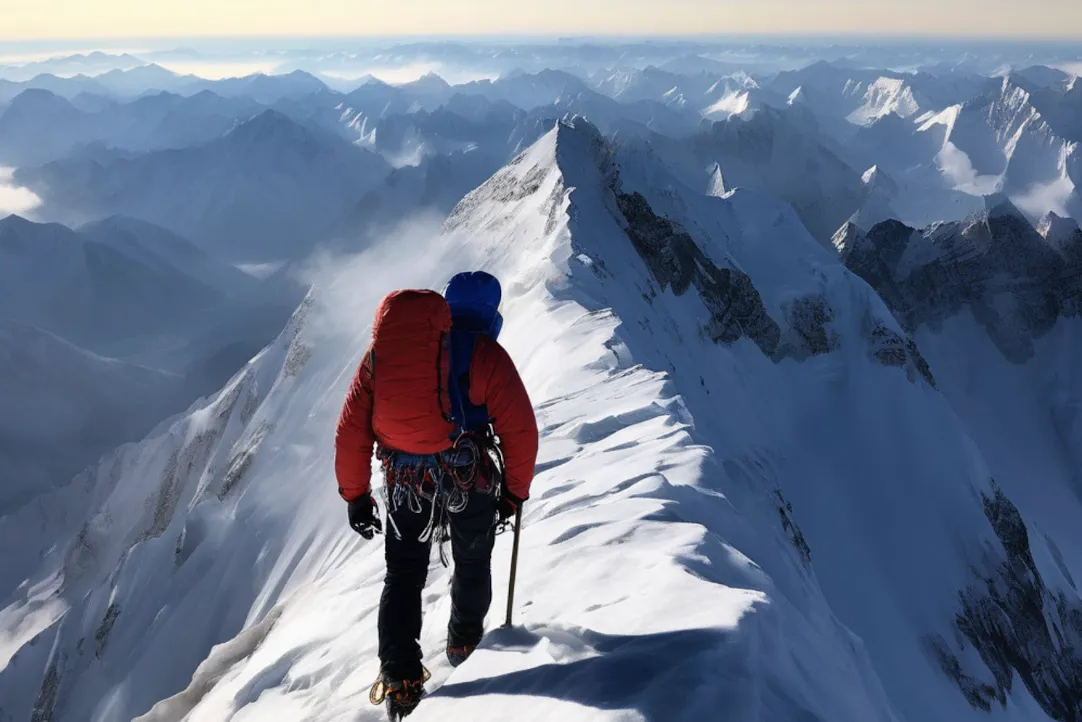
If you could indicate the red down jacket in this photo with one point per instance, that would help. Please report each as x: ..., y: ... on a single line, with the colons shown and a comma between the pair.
x: 398, y: 396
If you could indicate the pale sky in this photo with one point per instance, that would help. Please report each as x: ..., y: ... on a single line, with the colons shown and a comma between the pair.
x: 95, y: 19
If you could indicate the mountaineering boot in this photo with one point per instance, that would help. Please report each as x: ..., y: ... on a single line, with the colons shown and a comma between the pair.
x: 458, y: 655
x: 401, y: 695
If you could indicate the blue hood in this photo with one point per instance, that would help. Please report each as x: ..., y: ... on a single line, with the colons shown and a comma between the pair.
x: 474, y: 298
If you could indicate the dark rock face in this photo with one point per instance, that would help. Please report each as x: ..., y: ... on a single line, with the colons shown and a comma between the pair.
x: 1018, y: 626
x: 736, y: 308
x: 796, y: 536
x: 890, y: 349
x: 1015, y: 283
x: 808, y: 319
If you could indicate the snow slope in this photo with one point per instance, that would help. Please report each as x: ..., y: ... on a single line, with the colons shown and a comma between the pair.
x: 1000, y: 142
x: 742, y: 460
x: 885, y: 96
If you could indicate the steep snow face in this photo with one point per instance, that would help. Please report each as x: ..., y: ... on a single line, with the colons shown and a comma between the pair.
x: 717, y: 183
x: 1000, y: 142
x: 995, y: 307
x: 881, y: 189
x: 719, y: 492
x: 734, y: 102
x: 883, y: 97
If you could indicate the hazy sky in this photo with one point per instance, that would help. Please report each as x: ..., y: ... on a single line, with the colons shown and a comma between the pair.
x: 92, y: 19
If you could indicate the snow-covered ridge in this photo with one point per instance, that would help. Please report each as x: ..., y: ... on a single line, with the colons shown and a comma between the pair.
x: 733, y: 424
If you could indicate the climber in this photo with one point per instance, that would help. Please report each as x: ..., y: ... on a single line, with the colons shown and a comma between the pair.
x: 457, y: 440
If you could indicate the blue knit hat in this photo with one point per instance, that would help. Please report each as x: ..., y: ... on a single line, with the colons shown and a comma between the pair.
x: 474, y: 298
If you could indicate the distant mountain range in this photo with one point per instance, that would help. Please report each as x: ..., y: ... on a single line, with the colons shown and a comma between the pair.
x: 267, y: 190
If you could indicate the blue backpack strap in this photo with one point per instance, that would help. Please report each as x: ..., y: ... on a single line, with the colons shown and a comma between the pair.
x: 466, y: 415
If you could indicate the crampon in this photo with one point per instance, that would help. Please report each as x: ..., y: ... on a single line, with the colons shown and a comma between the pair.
x: 458, y: 655
x: 400, y: 696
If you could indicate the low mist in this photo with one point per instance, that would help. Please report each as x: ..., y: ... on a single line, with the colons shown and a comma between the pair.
x: 13, y: 198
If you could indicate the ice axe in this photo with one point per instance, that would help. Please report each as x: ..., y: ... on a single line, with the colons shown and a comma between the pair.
x: 514, y: 566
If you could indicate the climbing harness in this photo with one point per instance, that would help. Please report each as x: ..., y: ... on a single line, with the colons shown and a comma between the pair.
x: 445, y: 480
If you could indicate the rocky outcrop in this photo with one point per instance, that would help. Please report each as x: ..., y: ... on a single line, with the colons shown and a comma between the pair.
x: 736, y: 308
x: 809, y: 323
x: 1018, y: 626
x: 1015, y: 282
x: 890, y: 349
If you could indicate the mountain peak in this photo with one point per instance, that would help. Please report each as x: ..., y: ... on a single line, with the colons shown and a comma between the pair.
x: 998, y: 205
x: 1060, y: 233
x: 14, y: 222
x: 876, y: 179
x: 40, y: 98
x: 717, y: 186
x: 849, y: 238
x: 269, y: 126
x: 430, y: 81
x: 577, y: 141
x: 571, y: 154
x: 38, y: 237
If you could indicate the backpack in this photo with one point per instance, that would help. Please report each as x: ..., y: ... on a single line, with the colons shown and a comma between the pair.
x: 421, y: 399
x: 411, y: 364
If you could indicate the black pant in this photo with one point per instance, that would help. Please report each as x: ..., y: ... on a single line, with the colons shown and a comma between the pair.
x: 472, y: 537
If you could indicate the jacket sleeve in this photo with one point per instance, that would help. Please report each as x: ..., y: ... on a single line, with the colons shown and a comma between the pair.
x: 494, y: 381
x: 354, y: 438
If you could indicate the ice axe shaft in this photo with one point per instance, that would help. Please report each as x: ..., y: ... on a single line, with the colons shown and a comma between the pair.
x: 514, y: 567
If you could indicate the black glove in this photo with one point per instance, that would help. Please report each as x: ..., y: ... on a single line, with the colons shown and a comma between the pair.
x: 364, y: 516
x: 507, y: 506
